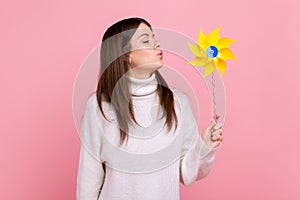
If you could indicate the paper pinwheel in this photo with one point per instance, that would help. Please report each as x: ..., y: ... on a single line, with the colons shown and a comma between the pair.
x: 211, y: 52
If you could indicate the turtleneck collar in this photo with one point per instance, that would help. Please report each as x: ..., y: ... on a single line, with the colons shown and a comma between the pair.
x: 142, y: 87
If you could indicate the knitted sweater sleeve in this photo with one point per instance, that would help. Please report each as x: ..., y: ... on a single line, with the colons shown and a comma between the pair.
x: 91, y: 172
x: 198, y: 158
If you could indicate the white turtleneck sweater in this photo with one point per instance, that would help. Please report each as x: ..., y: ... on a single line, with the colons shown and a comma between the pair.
x: 153, y: 163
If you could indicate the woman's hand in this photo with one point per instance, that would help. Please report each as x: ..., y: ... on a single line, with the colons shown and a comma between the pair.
x: 212, y: 135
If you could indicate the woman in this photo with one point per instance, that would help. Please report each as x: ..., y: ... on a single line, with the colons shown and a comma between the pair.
x: 139, y: 138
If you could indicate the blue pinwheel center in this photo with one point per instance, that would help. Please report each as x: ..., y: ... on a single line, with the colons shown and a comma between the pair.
x: 212, y: 51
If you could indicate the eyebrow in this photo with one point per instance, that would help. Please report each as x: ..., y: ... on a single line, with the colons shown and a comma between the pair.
x: 145, y: 34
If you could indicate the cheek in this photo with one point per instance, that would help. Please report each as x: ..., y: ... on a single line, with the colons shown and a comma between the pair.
x: 143, y: 56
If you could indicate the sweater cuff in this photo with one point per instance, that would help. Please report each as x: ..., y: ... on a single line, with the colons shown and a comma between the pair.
x: 205, y: 150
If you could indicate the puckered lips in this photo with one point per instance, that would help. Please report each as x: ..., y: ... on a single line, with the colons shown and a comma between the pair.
x: 160, y: 54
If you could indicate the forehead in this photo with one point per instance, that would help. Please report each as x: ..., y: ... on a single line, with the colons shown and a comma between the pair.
x: 142, y: 30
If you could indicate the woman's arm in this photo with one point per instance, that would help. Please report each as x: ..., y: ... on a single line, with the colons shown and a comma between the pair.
x: 91, y: 172
x: 197, y: 162
x: 198, y: 158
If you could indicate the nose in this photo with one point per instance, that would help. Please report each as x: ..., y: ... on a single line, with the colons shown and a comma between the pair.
x: 157, y: 44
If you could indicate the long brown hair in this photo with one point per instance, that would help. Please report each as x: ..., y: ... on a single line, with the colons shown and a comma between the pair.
x: 115, y: 88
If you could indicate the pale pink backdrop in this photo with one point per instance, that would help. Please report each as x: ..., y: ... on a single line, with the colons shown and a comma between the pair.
x: 43, y: 44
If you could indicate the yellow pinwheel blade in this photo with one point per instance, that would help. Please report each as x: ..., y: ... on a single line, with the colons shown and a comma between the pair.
x: 226, y: 54
x: 221, y: 65
x: 214, y: 37
x: 202, y: 41
x: 224, y: 43
x: 199, y: 61
x: 197, y: 50
x: 209, y: 68
x: 214, y: 57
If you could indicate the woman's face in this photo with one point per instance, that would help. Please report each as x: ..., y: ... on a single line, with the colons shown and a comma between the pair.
x: 146, y: 55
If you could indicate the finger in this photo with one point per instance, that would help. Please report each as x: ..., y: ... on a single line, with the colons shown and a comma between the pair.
x: 218, y: 125
x: 216, y: 132
x: 221, y: 139
x: 217, y: 137
x: 216, y: 144
x: 212, y: 123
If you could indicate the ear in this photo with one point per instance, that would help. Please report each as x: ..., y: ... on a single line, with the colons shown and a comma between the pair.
x: 128, y: 58
x: 128, y: 55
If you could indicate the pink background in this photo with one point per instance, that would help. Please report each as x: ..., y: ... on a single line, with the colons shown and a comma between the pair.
x: 43, y: 44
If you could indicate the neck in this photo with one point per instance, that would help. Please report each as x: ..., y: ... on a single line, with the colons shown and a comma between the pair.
x: 142, y: 86
x: 140, y: 73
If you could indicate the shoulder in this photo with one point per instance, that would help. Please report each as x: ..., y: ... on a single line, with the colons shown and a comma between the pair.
x: 91, y: 101
x: 91, y: 98
x: 92, y: 106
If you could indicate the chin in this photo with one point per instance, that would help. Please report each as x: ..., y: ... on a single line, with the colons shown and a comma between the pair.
x: 158, y: 65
